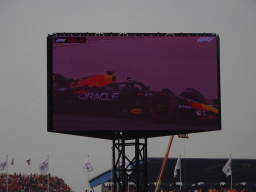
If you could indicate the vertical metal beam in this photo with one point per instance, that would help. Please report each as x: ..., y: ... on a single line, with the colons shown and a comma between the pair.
x: 118, y: 166
x: 123, y: 166
x: 145, y: 165
x: 114, y: 166
x: 137, y: 168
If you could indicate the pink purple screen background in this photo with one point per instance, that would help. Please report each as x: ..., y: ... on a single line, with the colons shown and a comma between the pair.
x: 174, y: 62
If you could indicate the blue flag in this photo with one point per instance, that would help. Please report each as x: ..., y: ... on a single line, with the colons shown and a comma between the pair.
x: 2, y: 165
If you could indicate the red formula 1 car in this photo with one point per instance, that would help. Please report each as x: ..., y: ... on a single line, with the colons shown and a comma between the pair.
x: 100, y: 94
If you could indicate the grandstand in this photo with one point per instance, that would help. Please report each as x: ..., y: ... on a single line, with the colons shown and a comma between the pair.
x: 195, y: 173
x: 32, y: 183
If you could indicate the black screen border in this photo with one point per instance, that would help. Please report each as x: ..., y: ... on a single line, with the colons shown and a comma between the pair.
x: 127, y: 135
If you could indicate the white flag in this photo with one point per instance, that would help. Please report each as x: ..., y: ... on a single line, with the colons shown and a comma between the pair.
x: 227, y: 168
x: 87, y: 166
x: 2, y: 165
x: 177, y: 167
x: 43, y: 168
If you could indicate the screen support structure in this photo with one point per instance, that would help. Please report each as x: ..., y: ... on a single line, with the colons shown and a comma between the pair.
x: 137, y: 167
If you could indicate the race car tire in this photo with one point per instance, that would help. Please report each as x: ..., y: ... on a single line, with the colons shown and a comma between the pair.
x: 162, y: 107
x: 193, y: 95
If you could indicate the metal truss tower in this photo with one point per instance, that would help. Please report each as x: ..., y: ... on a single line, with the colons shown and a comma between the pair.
x: 135, y: 170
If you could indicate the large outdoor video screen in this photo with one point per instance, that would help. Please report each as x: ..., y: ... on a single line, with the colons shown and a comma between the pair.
x: 151, y: 84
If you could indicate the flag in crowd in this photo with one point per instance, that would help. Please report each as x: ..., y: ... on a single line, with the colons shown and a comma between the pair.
x: 177, y: 167
x: 12, y: 163
x: 87, y: 166
x: 227, y: 168
x: 28, y: 161
x: 43, y: 168
x: 3, y: 164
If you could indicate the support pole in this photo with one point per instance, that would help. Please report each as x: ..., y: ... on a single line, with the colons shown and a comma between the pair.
x: 180, y: 173
x: 231, y: 171
x: 88, y: 183
x: 12, y: 166
x: 7, y: 172
x: 114, y: 166
x: 164, y: 163
x: 118, y: 165
x: 48, y: 171
x: 123, y: 166
x: 184, y: 136
x: 137, y: 161
x: 112, y: 175
x: 128, y: 178
x: 184, y: 167
x: 145, y: 164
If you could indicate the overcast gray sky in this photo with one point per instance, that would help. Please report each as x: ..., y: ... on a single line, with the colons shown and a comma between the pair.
x: 25, y: 25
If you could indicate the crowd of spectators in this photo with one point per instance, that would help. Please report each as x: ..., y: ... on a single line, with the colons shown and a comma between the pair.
x: 205, y: 188
x: 196, y: 188
x: 32, y: 183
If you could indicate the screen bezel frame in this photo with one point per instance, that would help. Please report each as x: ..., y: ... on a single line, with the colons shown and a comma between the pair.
x: 122, y: 134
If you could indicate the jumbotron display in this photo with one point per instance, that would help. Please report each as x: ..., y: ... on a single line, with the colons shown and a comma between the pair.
x: 134, y: 84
